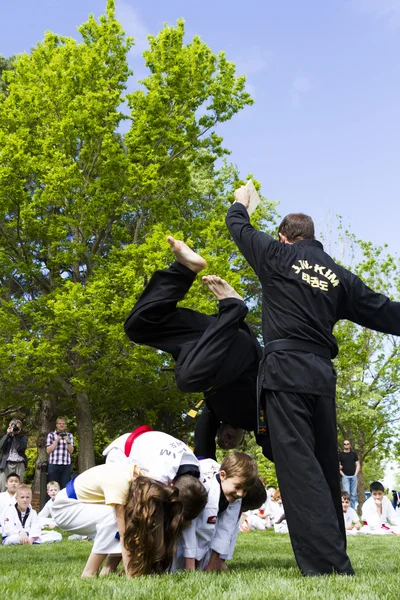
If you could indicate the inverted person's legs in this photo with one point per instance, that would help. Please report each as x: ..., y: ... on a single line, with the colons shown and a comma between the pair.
x: 156, y: 321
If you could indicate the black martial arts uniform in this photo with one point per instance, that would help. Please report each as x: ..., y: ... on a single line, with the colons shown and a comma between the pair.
x: 304, y: 294
x: 217, y: 355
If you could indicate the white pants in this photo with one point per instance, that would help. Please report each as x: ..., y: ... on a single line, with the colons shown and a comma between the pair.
x: 83, y: 518
x: 45, y: 538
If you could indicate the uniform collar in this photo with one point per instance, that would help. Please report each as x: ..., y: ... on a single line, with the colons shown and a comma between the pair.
x: 314, y: 243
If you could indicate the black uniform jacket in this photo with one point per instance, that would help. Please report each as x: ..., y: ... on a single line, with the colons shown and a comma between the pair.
x: 304, y: 294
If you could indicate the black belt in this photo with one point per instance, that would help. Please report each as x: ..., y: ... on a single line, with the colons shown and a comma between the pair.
x: 277, y: 345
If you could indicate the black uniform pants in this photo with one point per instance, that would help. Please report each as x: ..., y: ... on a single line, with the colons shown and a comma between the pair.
x: 302, y: 432
x: 210, y: 351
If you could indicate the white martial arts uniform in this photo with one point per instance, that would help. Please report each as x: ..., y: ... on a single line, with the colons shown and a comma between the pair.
x: 46, y: 516
x: 387, y: 522
x: 210, y: 530
x: 158, y: 455
x: 350, y: 517
x: 92, y: 512
x: 6, y: 500
x: 252, y: 521
x: 12, y: 528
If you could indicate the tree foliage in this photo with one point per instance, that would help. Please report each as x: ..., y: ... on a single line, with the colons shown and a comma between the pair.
x: 85, y: 210
x: 368, y: 369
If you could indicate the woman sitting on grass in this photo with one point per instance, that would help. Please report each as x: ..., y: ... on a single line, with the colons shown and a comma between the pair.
x: 127, y: 512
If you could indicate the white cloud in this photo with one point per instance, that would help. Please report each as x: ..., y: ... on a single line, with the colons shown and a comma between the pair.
x: 383, y: 9
x: 300, y: 87
x: 133, y: 26
x: 252, y: 61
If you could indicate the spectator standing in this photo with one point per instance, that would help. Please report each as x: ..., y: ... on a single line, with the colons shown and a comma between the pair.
x: 349, y: 469
x: 12, y: 447
x: 60, y: 446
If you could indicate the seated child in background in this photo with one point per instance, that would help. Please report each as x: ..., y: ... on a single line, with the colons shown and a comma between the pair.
x: 351, y: 520
x: 45, y: 515
x: 8, y: 498
x: 20, y: 523
x: 378, y: 513
x: 253, y: 514
x: 207, y: 542
x: 278, y: 513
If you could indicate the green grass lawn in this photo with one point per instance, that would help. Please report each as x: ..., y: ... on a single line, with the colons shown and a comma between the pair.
x: 263, y: 567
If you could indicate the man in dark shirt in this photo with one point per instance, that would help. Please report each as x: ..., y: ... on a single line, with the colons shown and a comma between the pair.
x: 304, y: 294
x: 215, y: 354
x: 349, y: 469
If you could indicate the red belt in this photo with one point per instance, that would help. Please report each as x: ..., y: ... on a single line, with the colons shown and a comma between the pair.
x: 133, y: 436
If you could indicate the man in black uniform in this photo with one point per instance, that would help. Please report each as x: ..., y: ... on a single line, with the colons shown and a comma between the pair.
x: 304, y: 294
x: 215, y: 354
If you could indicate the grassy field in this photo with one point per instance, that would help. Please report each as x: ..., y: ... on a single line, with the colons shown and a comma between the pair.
x: 263, y: 567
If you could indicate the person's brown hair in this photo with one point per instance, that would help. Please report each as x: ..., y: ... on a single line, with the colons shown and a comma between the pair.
x: 255, y: 497
x: 153, y: 521
x: 239, y: 464
x: 297, y: 226
x: 276, y: 496
x: 192, y: 494
x: 345, y: 495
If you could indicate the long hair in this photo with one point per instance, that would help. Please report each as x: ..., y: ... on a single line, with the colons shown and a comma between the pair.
x: 153, y: 521
x: 193, y: 495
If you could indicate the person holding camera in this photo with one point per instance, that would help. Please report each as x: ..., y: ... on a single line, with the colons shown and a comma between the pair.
x: 12, y: 447
x: 60, y: 446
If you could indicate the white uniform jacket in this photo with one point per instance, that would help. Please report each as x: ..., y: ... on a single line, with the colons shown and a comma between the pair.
x: 158, y: 455
x: 210, y: 530
x: 11, y: 524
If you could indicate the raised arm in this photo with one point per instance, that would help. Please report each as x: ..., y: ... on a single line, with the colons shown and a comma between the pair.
x: 251, y: 242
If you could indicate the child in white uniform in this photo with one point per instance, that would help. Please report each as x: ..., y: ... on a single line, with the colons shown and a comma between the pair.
x: 378, y: 513
x: 111, y: 498
x: 351, y: 520
x: 45, y: 515
x: 20, y: 523
x: 9, y: 497
x: 207, y: 542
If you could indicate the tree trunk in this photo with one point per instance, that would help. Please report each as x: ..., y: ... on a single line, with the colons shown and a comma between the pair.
x: 85, y: 432
x: 47, y: 416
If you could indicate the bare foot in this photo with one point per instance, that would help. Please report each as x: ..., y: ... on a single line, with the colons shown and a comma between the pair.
x: 186, y: 256
x: 220, y: 288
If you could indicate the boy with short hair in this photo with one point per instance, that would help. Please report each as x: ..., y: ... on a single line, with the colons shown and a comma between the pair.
x: 378, y: 513
x: 210, y: 535
x: 45, y: 515
x: 351, y: 520
x: 8, y: 497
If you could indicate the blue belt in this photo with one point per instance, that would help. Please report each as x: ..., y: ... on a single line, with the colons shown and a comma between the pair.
x: 70, y: 488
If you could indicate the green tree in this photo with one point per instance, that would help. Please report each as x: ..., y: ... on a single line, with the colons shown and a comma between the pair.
x: 84, y: 212
x: 368, y: 369
x: 6, y: 64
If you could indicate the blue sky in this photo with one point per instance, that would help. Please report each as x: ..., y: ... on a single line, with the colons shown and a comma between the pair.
x: 324, y: 134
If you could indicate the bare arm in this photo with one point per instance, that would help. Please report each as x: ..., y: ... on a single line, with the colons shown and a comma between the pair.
x: 357, y: 468
x: 119, y: 510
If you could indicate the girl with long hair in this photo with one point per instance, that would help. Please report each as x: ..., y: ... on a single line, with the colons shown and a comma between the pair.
x: 127, y: 513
